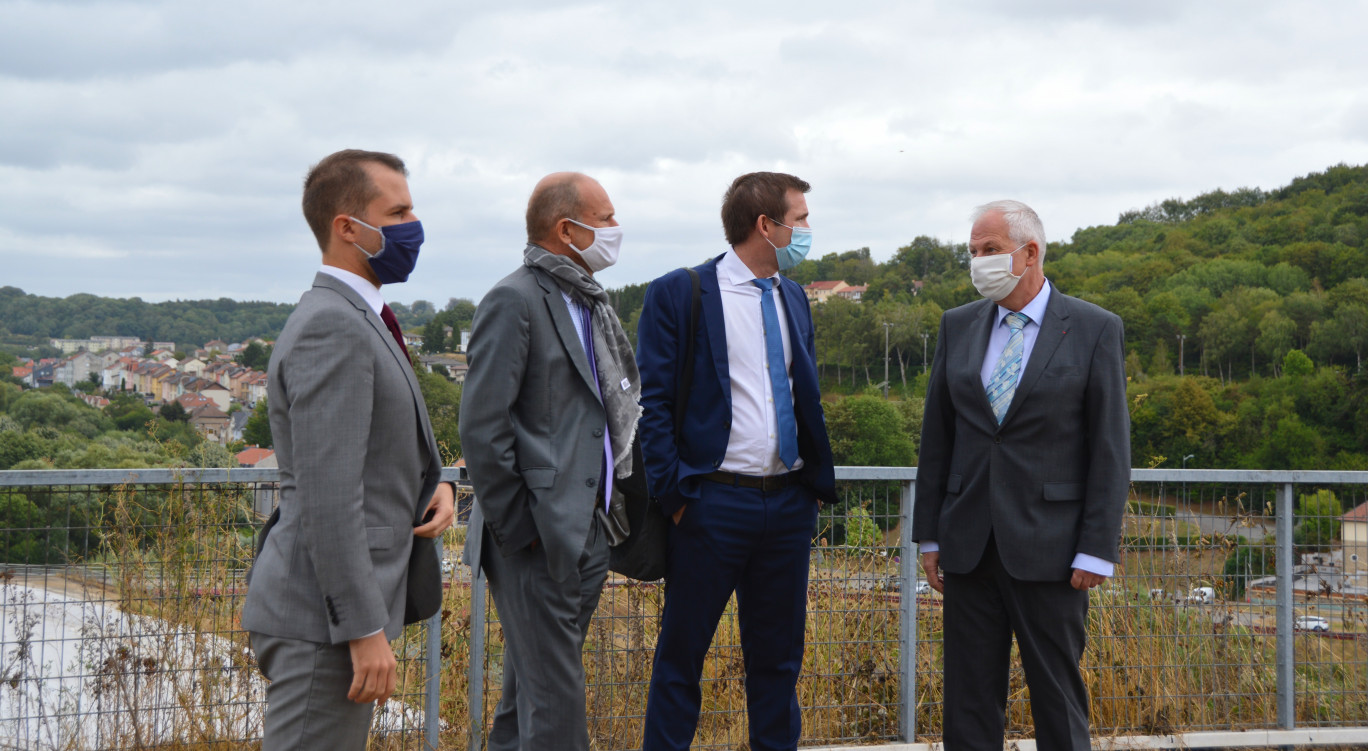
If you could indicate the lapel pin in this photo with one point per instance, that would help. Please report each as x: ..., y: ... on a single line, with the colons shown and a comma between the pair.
x: 626, y: 384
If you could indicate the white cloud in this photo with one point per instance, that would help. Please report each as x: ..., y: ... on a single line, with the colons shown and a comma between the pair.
x: 163, y: 143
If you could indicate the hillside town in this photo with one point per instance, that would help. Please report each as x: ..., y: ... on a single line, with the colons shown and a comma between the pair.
x: 206, y: 382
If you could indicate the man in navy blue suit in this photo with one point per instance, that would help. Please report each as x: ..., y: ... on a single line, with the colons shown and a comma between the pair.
x: 743, y: 474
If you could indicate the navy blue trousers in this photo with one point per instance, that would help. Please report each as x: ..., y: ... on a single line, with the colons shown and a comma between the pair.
x: 755, y: 544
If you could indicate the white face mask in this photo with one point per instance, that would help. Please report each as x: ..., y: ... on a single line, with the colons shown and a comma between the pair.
x: 603, y: 252
x: 992, y: 275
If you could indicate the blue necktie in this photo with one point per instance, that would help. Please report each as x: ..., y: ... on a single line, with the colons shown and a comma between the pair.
x: 1002, y: 384
x: 778, y: 374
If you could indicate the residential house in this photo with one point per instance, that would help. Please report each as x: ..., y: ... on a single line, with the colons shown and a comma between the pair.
x: 24, y: 373
x: 218, y: 345
x: 820, y: 292
x: 254, y: 457
x: 220, y: 396
x: 255, y: 388
x: 76, y: 368
x: 194, y: 366
x: 43, y: 372
x: 237, y: 423
x: 455, y: 365
x: 100, y: 343
x: 168, y: 346
x: 853, y: 293
x: 98, y: 402
x: 1354, y: 534
x: 212, y: 422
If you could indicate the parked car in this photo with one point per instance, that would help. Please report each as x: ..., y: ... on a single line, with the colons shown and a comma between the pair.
x: 1311, y: 623
x: 923, y: 587
x: 1202, y: 595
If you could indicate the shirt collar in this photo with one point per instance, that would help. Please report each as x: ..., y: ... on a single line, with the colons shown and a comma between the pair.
x: 1034, y: 310
x: 736, y: 271
x: 362, y: 286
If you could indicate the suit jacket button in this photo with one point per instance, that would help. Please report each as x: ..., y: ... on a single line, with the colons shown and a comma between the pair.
x: 591, y: 482
x: 997, y: 439
x: 598, y: 432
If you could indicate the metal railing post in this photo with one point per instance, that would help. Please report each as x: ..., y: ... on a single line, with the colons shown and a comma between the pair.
x: 1286, y: 704
x: 907, y: 600
x: 433, y: 679
x: 475, y: 672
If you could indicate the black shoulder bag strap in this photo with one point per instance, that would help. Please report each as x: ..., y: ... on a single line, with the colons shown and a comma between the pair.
x: 685, y: 384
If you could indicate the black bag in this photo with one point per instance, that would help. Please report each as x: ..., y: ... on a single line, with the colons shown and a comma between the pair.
x: 642, y: 555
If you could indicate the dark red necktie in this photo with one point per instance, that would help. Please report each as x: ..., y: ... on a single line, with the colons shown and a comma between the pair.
x: 392, y: 324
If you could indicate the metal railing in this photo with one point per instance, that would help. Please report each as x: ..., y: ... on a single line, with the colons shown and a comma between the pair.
x: 1239, y: 611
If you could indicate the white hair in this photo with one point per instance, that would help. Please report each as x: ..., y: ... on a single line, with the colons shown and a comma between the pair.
x: 1023, y: 224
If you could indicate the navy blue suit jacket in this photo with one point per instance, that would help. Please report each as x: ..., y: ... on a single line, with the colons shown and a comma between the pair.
x: 672, y: 470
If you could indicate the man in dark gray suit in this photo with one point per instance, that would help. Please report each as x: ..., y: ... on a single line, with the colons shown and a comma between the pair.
x: 548, y: 414
x: 359, y: 468
x: 1021, y: 485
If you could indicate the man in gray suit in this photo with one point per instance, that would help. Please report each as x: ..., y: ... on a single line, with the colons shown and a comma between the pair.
x: 548, y: 414
x: 1021, y: 485
x: 359, y: 468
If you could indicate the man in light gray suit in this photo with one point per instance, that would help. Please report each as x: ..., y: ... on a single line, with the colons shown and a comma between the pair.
x: 1021, y: 485
x: 359, y: 468
x: 548, y: 414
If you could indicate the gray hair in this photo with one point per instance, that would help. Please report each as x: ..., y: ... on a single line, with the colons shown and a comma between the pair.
x: 1023, y: 224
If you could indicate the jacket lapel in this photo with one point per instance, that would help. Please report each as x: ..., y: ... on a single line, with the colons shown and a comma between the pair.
x: 980, y: 332
x: 566, y: 329
x: 715, y: 323
x: 382, y: 331
x: 1052, y: 332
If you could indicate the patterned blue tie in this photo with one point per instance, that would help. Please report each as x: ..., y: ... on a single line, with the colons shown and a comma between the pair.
x: 778, y: 374
x: 1002, y: 384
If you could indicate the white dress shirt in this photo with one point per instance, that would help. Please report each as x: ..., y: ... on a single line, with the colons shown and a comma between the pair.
x: 997, y: 341
x: 368, y: 292
x: 753, y: 444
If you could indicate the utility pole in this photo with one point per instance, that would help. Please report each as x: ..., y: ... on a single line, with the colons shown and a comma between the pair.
x: 924, y: 338
x: 1185, y: 498
x: 1181, y: 338
x: 886, y: 326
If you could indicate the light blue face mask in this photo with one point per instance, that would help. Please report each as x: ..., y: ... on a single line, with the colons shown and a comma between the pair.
x: 799, y: 244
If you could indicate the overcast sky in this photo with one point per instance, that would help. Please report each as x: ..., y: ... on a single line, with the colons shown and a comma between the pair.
x: 157, y: 149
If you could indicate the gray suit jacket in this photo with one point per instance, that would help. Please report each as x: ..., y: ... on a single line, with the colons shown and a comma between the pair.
x: 358, y: 465
x: 1051, y: 480
x: 531, y: 424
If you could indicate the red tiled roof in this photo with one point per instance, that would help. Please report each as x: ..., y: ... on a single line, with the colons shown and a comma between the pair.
x: 252, y: 456
x: 824, y: 285
x: 1357, y: 514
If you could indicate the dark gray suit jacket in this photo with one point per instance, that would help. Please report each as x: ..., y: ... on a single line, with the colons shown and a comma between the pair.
x: 358, y: 465
x: 1051, y: 480
x: 531, y: 424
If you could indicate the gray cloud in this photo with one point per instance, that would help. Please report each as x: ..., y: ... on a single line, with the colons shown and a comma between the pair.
x: 157, y: 148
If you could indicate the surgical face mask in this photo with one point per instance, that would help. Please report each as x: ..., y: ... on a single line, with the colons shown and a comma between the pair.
x: 603, y: 251
x: 793, y: 254
x: 398, y: 255
x: 992, y: 274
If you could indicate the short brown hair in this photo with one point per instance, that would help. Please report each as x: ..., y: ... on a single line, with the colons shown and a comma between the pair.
x: 553, y: 202
x: 754, y: 195
x: 339, y: 185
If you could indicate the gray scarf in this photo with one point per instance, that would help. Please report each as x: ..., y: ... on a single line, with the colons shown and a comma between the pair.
x: 619, y: 382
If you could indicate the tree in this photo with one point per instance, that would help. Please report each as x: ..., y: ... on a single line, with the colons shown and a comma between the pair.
x: 257, y: 431
x: 1247, y: 563
x: 255, y: 356
x: 867, y: 431
x: 1318, y: 521
x: 443, y: 399
x: 173, y: 412
x: 1296, y: 363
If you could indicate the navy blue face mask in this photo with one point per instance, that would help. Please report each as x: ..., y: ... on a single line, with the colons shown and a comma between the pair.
x: 395, y: 260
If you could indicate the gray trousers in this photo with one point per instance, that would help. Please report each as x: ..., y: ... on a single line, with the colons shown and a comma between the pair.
x: 306, y: 701
x: 544, y: 624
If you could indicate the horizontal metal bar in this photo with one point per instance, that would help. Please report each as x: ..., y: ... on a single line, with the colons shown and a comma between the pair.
x: 1279, y: 476
x: 159, y: 476
x: 905, y: 474
x: 1217, y: 739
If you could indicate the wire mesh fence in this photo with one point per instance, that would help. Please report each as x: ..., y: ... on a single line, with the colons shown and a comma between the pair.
x: 119, y: 621
x: 1240, y: 602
